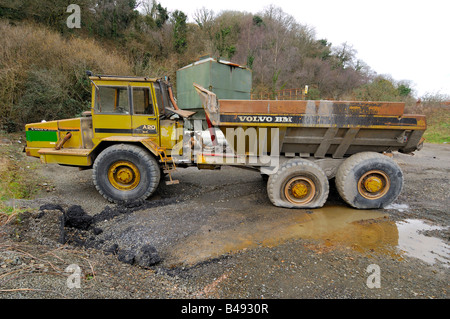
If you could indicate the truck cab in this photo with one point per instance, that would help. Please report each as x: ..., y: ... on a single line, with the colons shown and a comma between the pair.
x: 128, y: 109
x: 135, y: 116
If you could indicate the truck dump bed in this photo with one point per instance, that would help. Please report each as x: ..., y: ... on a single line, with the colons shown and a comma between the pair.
x: 322, y: 128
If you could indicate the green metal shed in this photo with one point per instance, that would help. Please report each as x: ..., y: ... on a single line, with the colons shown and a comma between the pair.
x: 226, y: 79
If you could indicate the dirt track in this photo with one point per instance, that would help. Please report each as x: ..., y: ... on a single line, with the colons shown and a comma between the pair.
x: 216, y: 235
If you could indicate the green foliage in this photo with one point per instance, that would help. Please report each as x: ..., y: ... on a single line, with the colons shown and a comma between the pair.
x: 51, y: 13
x: 275, y: 77
x: 111, y: 17
x: 154, y: 15
x: 12, y: 11
x: 403, y: 90
x: 105, y: 18
x: 179, y: 31
x: 50, y: 95
x: 313, y: 94
x: 223, y: 46
x: 382, y: 89
x: 250, y: 60
x: 257, y: 20
x: 162, y: 16
x: 324, y: 49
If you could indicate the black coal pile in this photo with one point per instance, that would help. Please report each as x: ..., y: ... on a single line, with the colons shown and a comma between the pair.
x: 74, y: 226
x: 76, y: 217
x: 145, y: 256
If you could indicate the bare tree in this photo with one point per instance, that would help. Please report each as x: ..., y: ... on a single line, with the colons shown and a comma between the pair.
x: 205, y: 20
x: 345, y: 55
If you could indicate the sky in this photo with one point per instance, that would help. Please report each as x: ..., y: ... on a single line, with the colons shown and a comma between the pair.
x: 405, y: 39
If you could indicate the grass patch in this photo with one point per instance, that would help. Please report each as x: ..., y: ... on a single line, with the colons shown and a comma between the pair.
x: 437, y: 111
x: 438, y: 126
x: 18, y: 178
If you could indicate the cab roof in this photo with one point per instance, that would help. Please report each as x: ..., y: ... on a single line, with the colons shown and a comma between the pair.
x: 122, y: 78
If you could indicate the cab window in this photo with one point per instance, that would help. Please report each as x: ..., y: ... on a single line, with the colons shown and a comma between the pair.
x: 159, y: 98
x: 142, y: 101
x: 112, y: 100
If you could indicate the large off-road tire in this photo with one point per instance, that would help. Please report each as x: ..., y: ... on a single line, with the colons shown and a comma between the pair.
x: 126, y: 173
x: 369, y: 180
x: 298, y: 183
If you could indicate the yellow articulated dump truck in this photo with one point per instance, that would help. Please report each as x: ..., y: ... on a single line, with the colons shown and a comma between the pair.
x: 135, y: 135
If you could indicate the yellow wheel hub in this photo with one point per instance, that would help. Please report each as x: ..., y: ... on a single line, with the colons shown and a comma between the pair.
x: 124, y: 175
x: 300, y: 190
x: 374, y: 184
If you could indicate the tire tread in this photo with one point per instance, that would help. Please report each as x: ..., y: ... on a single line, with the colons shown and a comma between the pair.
x: 149, y: 162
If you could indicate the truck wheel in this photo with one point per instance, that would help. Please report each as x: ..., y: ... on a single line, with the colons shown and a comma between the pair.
x: 298, y: 183
x: 126, y: 173
x: 369, y: 180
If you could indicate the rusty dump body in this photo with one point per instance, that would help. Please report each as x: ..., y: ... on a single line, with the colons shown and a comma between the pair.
x: 322, y: 129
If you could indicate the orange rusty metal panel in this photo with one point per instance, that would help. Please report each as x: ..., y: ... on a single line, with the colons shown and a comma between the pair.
x: 311, y: 107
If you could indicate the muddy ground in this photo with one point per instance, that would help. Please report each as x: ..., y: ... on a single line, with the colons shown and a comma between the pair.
x: 216, y: 235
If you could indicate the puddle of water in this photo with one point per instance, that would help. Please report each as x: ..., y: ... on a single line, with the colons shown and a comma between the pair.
x: 412, y: 242
x: 400, y: 207
x: 336, y: 227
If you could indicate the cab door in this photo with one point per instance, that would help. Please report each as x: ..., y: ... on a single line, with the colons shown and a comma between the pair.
x: 111, y: 109
x: 145, y: 117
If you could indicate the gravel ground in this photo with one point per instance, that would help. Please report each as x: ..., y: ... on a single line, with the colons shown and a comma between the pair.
x: 216, y: 235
